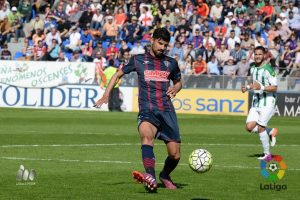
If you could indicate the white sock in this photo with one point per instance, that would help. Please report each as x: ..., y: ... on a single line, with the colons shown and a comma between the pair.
x: 264, y: 138
x: 255, y: 130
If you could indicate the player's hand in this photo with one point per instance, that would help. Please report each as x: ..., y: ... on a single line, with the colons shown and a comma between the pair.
x: 104, y: 99
x: 256, y: 85
x: 171, y: 92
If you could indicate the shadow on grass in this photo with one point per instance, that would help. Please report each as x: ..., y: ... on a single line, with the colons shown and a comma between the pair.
x: 200, y: 199
x: 255, y: 155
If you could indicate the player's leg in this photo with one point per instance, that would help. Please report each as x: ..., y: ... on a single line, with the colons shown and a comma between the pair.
x: 147, y: 134
x: 251, y: 122
x: 265, y: 115
x: 171, y: 163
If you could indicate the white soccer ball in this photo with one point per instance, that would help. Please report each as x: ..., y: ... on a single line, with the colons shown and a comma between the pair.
x: 200, y: 160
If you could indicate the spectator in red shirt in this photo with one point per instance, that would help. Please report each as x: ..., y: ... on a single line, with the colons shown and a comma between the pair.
x: 112, y: 49
x: 202, y: 9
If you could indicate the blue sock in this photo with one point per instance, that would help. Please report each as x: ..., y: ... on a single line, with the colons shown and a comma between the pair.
x: 170, y: 165
x: 269, y: 130
x: 148, y: 159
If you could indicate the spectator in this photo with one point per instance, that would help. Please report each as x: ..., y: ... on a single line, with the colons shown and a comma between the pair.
x: 96, y: 6
x: 146, y: 17
x: 267, y: 11
x: 39, y: 51
x: 86, y: 18
x: 199, y: 68
x: 170, y: 27
x: 213, y: 71
x: 286, y: 60
x: 177, y: 50
x: 87, y: 51
x: 5, y: 53
x: 74, y: 38
x: 76, y: 57
x: 222, y: 55
x: 97, y: 49
x: 27, y: 50
x: 120, y: 18
x: 86, y: 37
x: 5, y: 30
x: 53, y: 51
x: 137, y: 49
x: 112, y: 49
x: 193, y: 20
x: 168, y: 16
x: 234, y: 28
x: 186, y: 67
x: 251, y: 11
x: 38, y: 36
x: 124, y: 48
x: 54, y: 34
x: 208, y: 40
x: 247, y: 42
x: 242, y: 70
x: 62, y: 57
x: 229, y: 70
x: 232, y: 40
x: 110, y: 30
x: 237, y: 53
x: 25, y: 8
x: 216, y: 11
x: 97, y: 20
x: 208, y: 53
x: 13, y: 15
x: 4, y: 11
x: 202, y: 9
x: 282, y: 19
x: 229, y: 19
x: 283, y: 31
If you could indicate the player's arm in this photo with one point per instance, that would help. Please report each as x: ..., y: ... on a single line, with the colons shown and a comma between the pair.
x: 172, y: 91
x: 113, y: 81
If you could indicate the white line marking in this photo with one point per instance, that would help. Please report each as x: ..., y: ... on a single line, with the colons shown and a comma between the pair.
x: 136, y: 144
x: 124, y: 162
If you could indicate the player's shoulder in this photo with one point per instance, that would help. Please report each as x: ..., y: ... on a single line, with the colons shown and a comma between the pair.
x: 170, y: 59
x: 269, y: 69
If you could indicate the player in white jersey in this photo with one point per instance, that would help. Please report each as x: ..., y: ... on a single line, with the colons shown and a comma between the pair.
x: 264, y: 87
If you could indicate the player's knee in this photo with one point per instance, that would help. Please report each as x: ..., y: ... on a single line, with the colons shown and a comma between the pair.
x: 249, y: 128
x: 175, y: 156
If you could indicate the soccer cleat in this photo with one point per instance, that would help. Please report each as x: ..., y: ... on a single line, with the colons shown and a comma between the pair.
x: 274, y: 132
x: 167, y: 182
x: 266, y: 157
x: 148, y: 180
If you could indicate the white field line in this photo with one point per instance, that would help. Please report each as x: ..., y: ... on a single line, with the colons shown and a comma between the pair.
x: 137, y: 144
x: 123, y: 162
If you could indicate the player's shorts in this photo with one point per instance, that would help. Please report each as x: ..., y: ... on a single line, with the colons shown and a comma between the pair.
x: 260, y: 115
x: 165, y: 122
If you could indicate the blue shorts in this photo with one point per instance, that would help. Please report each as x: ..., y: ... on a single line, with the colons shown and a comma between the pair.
x: 165, y: 122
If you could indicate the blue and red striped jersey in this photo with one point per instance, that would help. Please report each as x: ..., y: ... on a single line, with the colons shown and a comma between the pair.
x: 154, y: 75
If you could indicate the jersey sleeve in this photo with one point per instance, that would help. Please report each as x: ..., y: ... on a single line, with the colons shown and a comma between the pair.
x: 271, y: 78
x: 175, y: 73
x: 130, y: 66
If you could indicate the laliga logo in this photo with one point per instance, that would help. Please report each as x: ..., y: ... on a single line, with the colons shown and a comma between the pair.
x: 273, y: 170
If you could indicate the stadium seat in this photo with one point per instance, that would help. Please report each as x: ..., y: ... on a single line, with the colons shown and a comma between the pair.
x: 18, y: 54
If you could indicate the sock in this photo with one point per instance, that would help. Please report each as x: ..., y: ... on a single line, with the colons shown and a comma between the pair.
x: 264, y: 138
x: 148, y: 159
x: 269, y: 130
x: 255, y: 130
x: 170, y: 165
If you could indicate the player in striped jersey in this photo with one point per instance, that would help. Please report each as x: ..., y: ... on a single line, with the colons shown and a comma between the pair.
x: 157, y: 117
x: 264, y: 88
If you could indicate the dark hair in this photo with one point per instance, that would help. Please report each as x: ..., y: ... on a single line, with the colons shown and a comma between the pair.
x: 111, y: 62
x: 161, y: 33
x: 260, y: 48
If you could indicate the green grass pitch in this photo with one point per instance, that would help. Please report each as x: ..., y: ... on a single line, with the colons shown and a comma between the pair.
x: 90, y: 155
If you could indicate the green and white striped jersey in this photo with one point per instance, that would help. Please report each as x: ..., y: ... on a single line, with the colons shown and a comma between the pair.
x: 266, y: 76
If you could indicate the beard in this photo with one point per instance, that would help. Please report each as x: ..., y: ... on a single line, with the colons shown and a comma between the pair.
x: 158, y: 54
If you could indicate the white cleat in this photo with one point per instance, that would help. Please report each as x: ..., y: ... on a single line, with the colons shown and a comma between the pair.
x: 266, y: 157
x: 273, y: 136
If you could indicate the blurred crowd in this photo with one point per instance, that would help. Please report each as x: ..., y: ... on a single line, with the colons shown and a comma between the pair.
x: 211, y: 37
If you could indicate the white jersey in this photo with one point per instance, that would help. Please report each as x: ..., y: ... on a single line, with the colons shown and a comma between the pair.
x: 266, y: 76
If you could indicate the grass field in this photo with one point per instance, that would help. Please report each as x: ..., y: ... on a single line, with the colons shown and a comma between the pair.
x: 90, y: 155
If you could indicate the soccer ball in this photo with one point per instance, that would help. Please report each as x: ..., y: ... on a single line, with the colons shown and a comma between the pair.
x: 273, y: 167
x: 200, y: 160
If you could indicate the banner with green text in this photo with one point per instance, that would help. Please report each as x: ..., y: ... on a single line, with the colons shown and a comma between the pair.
x: 45, y: 74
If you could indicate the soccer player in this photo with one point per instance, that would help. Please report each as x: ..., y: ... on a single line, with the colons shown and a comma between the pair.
x: 264, y: 87
x: 156, y: 117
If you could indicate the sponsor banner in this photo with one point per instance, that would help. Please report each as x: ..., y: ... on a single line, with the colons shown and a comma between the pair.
x: 45, y: 74
x: 74, y: 97
x: 194, y: 101
x: 288, y: 104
